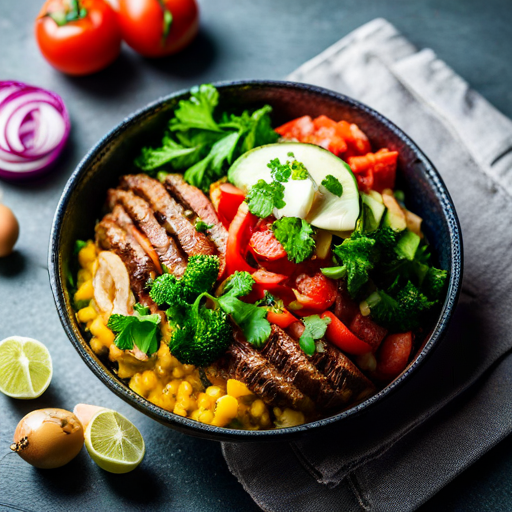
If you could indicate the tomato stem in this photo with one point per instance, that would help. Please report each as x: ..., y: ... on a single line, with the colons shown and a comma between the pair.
x: 72, y: 13
x: 167, y: 21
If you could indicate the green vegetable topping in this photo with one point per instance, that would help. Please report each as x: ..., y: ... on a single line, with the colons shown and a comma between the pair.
x: 299, y: 171
x: 296, y: 237
x: 264, y: 197
x: 140, y: 330
x: 202, y: 146
x: 315, y: 329
x: 333, y: 185
x: 202, y: 227
x: 283, y: 172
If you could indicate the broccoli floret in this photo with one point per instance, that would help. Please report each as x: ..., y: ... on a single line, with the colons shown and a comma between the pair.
x: 166, y: 289
x: 434, y: 283
x: 200, y: 275
x: 204, y: 337
x: 399, y: 309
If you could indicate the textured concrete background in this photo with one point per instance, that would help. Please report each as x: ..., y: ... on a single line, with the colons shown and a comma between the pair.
x: 242, y: 39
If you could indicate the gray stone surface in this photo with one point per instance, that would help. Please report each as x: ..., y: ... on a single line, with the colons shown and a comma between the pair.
x: 242, y: 39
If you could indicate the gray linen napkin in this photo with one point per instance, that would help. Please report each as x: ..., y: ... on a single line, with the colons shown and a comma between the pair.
x: 459, y: 403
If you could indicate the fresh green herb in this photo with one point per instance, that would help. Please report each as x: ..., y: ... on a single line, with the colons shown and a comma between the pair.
x: 299, y: 171
x: 264, y: 197
x: 202, y: 227
x: 333, y: 185
x: 296, y: 237
x: 280, y: 172
x: 79, y: 245
x: 140, y: 330
x: 315, y: 328
x: 203, y: 147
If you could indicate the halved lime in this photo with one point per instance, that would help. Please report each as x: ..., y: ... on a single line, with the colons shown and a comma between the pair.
x: 113, y: 442
x: 25, y: 367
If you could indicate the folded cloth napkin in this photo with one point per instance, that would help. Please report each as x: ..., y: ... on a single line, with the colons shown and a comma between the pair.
x: 458, y: 404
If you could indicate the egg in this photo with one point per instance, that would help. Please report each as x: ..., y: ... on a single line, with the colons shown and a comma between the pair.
x: 48, y: 438
x: 9, y: 230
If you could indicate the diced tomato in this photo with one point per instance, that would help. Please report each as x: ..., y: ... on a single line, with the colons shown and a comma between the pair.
x: 356, y: 139
x: 328, y: 135
x: 297, y: 128
x: 393, y: 355
x: 230, y: 198
x: 367, y: 330
x: 375, y: 171
x: 339, y: 334
x: 316, y: 293
x: 239, y: 234
x: 265, y: 245
x: 281, y: 318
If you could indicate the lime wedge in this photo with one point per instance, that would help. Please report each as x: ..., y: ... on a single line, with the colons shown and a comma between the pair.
x: 25, y: 367
x: 113, y: 442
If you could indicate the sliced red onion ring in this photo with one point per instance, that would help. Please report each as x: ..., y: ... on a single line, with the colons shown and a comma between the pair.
x: 34, y: 126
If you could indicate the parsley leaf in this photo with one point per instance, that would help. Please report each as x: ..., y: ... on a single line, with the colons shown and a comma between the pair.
x: 280, y: 172
x: 201, y: 226
x: 239, y: 284
x: 315, y: 328
x: 299, y: 171
x: 296, y: 237
x: 333, y: 185
x: 264, y: 197
x: 139, y: 329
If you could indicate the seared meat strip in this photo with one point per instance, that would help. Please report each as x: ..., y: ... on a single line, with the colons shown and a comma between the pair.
x: 111, y: 237
x: 342, y: 374
x: 192, y: 198
x: 142, y: 215
x: 170, y: 213
x: 286, y: 355
x: 244, y: 363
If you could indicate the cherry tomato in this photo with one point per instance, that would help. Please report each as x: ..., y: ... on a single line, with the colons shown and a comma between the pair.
x: 339, y: 334
x: 78, y: 37
x: 367, y: 330
x: 393, y: 355
x: 155, y: 28
x: 315, y: 292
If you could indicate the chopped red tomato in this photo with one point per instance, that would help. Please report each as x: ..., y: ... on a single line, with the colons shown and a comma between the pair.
x: 367, y: 330
x: 314, y: 293
x: 239, y: 234
x: 265, y: 245
x: 393, y: 355
x: 229, y: 199
x: 328, y: 135
x: 297, y: 128
x: 281, y: 318
x: 339, y: 334
x: 375, y: 171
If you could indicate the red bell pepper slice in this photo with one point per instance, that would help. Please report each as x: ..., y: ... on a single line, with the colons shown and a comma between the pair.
x: 230, y: 198
x: 239, y: 233
x: 281, y: 318
x: 341, y: 336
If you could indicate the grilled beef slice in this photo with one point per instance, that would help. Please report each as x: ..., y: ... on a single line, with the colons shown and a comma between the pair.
x: 192, y: 198
x: 170, y: 213
x: 142, y: 215
x: 111, y: 237
x: 286, y: 355
x: 244, y: 363
x: 342, y: 373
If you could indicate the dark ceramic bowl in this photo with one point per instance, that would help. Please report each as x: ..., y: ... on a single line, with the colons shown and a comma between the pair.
x: 82, y: 200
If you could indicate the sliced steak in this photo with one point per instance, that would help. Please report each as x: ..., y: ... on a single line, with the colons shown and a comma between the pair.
x: 342, y: 373
x: 111, y: 237
x: 140, y: 212
x: 244, y: 363
x: 286, y: 355
x: 192, y: 198
x: 170, y: 213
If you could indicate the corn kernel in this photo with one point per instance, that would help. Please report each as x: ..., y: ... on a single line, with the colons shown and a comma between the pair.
x: 257, y: 408
x: 178, y: 373
x: 214, y: 391
x: 86, y: 314
x: 172, y: 388
x: 204, y: 401
x: 85, y: 292
x: 195, y: 381
x: 101, y: 331
x: 97, y: 346
x: 265, y: 419
x: 235, y: 388
x: 83, y: 275
x: 114, y: 353
x: 206, y: 417
x: 180, y: 411
x: 87, y: 254
x: 149, y: 380
x: 188, y: 368
x: 194, y: 415
x: 225, y: 410
x: 185, y: 389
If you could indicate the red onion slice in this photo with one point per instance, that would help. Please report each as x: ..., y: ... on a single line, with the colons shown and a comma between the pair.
x: 34, y: 126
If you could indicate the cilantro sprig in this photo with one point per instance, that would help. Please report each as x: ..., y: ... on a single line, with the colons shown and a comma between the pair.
x: 140, y: 329
x: 333, y: 185
x: 315, y: 328
x: 296, y: 237
x: 264, y: 197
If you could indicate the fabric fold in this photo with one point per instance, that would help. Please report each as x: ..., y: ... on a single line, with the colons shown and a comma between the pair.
x: 456, y: 406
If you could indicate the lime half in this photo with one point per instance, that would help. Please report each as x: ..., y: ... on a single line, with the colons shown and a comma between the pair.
x: 114, y: 443
x: 25, y: 367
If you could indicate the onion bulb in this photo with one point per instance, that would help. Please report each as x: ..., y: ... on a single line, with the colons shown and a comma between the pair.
x: 48, y: 438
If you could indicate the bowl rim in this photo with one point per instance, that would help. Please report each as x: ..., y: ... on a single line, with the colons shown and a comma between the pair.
x: 189, y: 426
